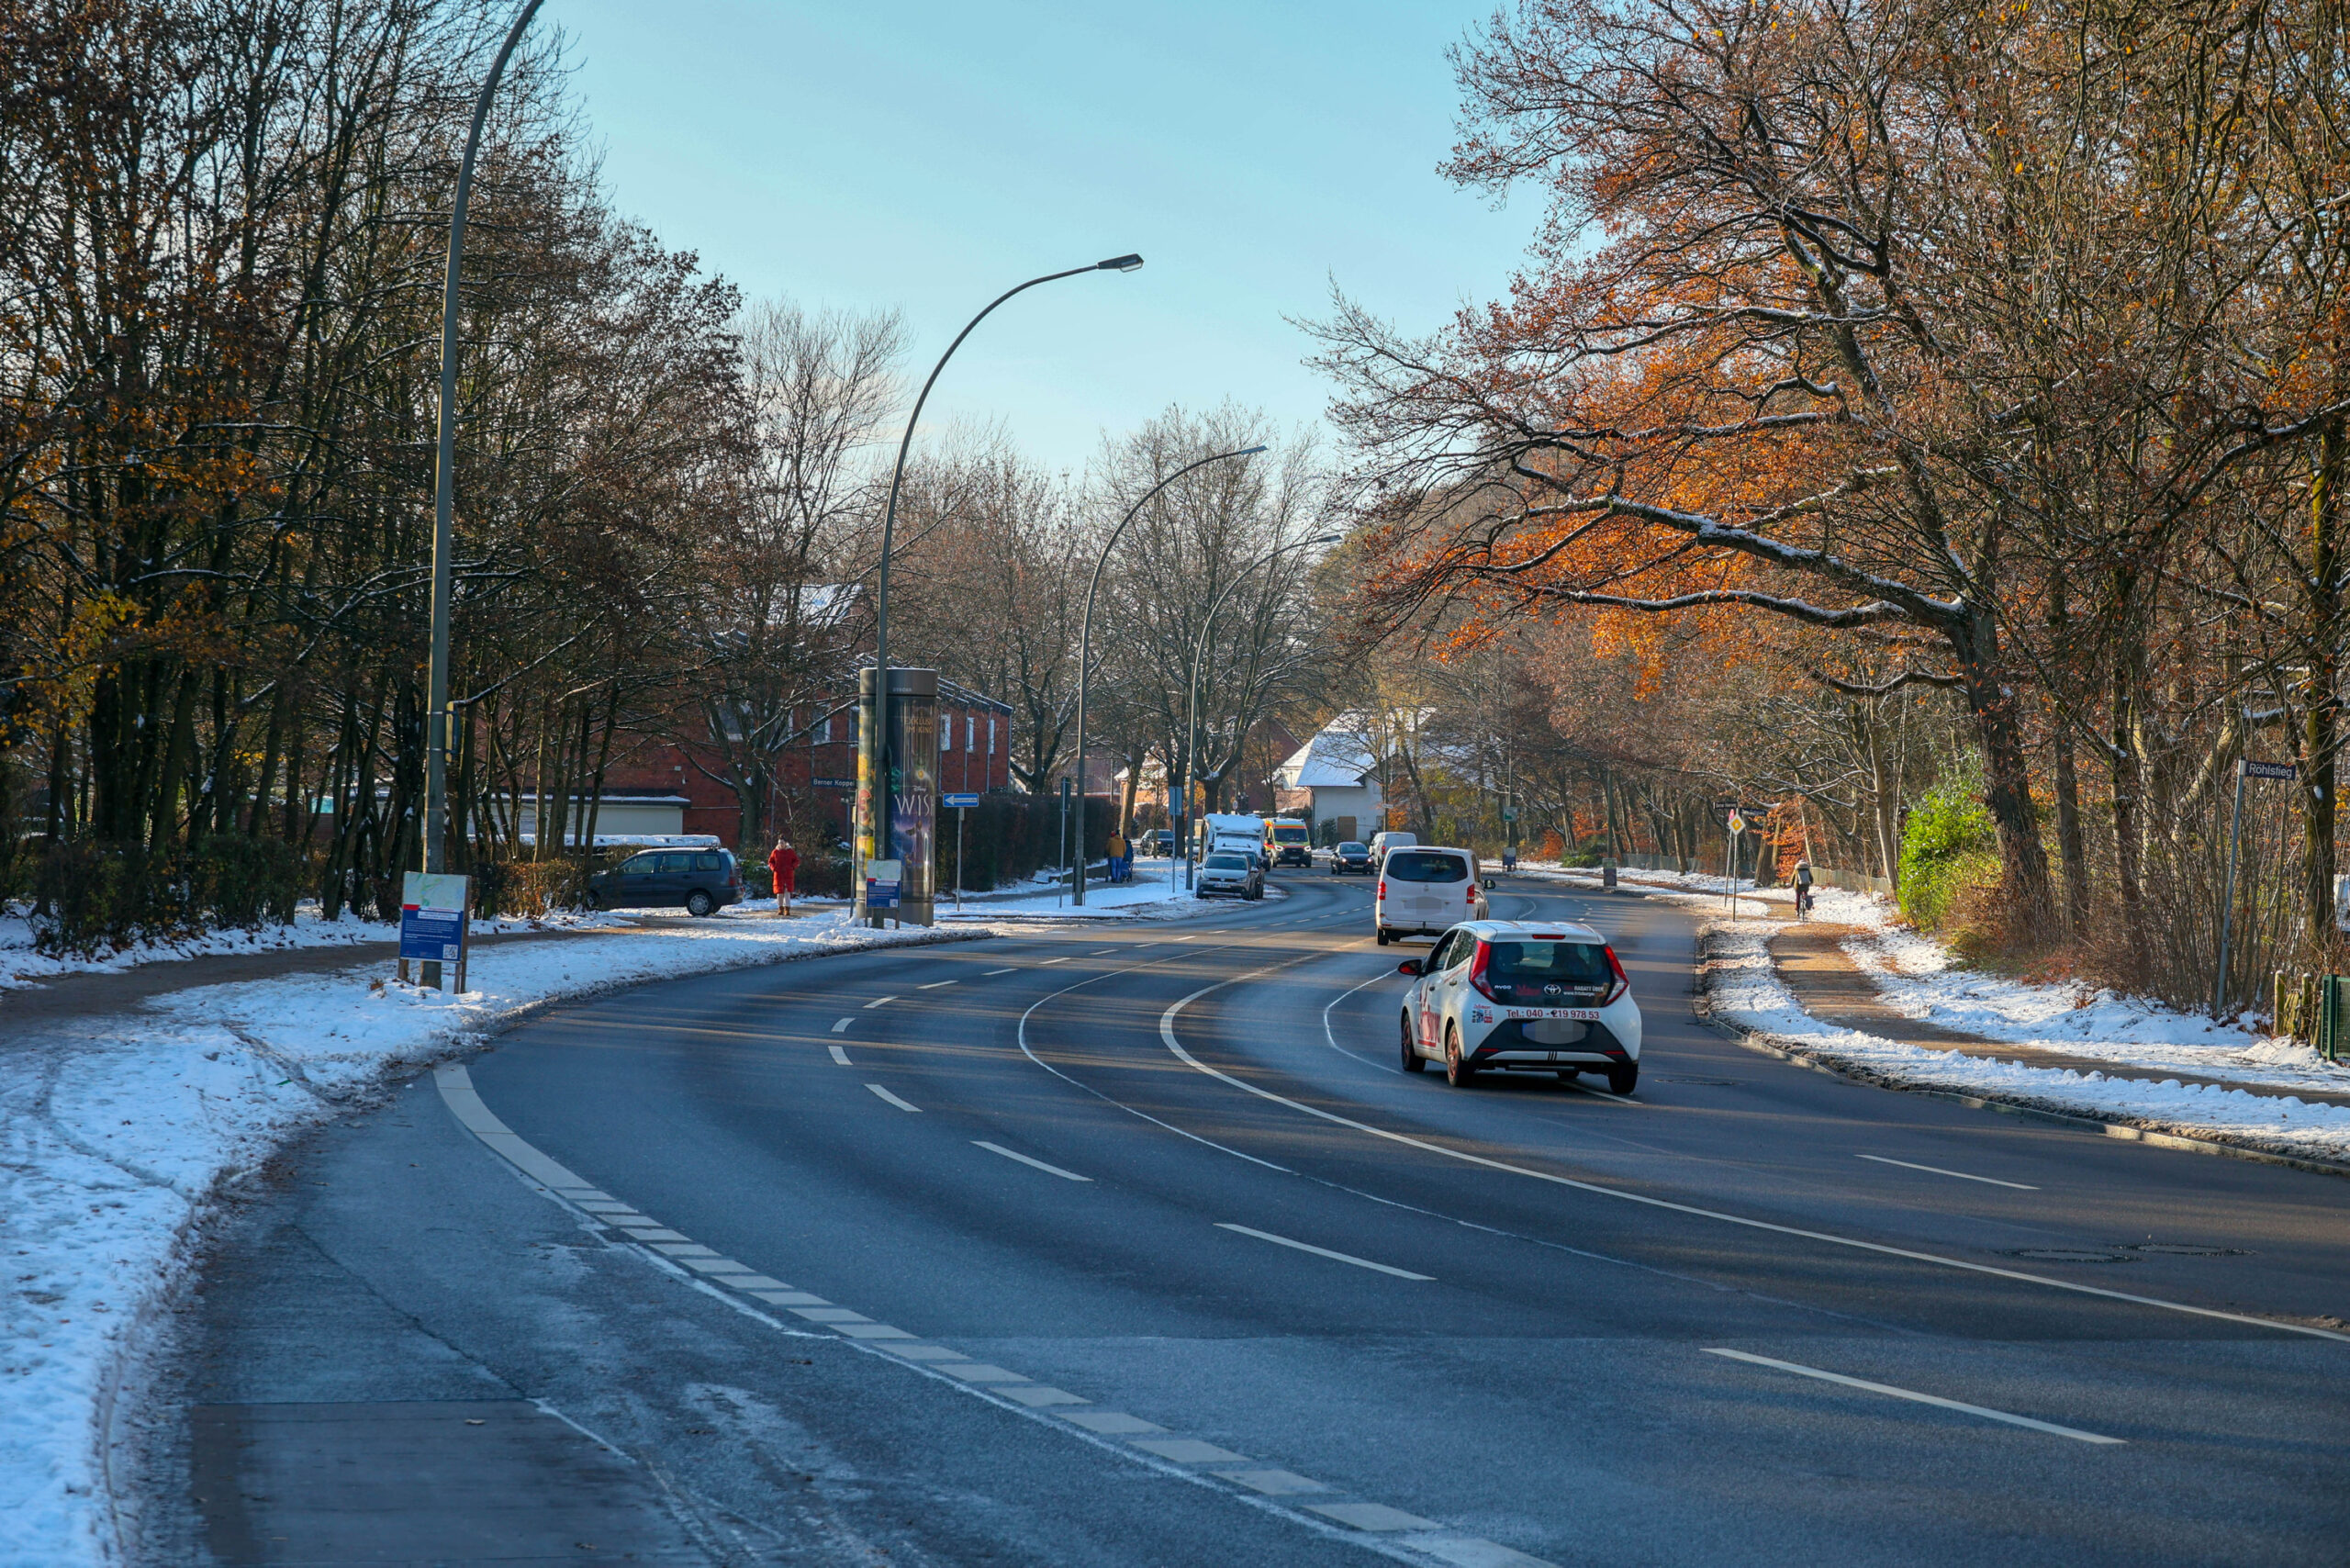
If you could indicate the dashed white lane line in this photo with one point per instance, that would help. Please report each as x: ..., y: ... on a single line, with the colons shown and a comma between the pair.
x: 840, y: 1025
x: 1042, y: 962
x: 1166, y: 1036
x: 1099, y: 951
x: 877, y: 1002
x: 1323, y: 1251
x: 1938, y: 1171
x: 934, y: 985
x: 893, y: 1100
x: 1025, y: 1160
x: 999, y: 971
x: 840, y: 1055
x: 1910, y: 1394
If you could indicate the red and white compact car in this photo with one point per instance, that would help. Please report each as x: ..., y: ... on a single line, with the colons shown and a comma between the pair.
x: 1526, y: 996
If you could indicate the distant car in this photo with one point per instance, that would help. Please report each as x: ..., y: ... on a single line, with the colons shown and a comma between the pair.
x: 1162, y: 841
x: 1425, y: 888
x: 1381, y: 842
x: 1521, y: 996
x: 1289, y: 843
x: 1227, y: 873
x: 1351, y: 859
x: 702, y: 881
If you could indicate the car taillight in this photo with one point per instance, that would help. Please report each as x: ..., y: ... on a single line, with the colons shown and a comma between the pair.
x: 1477, y: 973
x: 1382, y: 887
x: 1623, y: 981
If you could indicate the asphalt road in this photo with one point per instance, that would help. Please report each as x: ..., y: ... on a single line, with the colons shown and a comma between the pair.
x: 1151, y: 1254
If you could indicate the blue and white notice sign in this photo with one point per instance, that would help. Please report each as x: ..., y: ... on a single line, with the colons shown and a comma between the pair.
x: 432, y: 917
x: 958, y: 802
x: 881, y: 882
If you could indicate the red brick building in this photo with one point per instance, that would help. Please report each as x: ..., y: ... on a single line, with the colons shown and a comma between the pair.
x: 974, y: 757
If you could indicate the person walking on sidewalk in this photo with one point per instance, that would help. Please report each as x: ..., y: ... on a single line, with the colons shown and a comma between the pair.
x: 783, y: 865
x: 1117, y: 851
x: 1803, y: 887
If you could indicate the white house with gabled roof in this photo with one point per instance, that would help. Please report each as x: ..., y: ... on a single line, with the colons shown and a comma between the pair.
x: 1334, y: 777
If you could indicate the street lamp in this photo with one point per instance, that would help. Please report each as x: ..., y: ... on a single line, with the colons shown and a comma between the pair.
x: 873, y: 744
x: 1085, y: 640
x: 436, y: 700
x: 1191, y: 692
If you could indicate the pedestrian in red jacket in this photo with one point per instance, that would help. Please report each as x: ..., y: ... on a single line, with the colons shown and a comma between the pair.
x: 783, y: 864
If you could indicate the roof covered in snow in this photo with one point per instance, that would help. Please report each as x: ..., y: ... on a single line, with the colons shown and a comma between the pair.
x: 1337, y: 757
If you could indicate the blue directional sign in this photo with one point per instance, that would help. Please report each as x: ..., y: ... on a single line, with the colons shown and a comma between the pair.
x: 958, y: 802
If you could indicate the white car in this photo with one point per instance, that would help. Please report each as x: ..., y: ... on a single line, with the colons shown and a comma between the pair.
x: 1423, y: 890
x: 1522, y: 996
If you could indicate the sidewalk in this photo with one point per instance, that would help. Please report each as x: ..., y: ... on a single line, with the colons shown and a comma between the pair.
x: 1811, y: 963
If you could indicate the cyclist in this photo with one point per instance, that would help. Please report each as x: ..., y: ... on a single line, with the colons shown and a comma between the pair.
x: 1803, y: 887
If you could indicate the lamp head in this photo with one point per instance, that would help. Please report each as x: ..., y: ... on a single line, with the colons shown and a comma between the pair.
x: 1119, y: 265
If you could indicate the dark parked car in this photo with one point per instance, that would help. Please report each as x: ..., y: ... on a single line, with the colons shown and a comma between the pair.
x: 703, y: 880
x: 1351, y: 860
x: 1162, y: 841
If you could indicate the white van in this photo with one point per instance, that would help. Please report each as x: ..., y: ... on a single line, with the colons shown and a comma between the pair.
x: 1238, y: 832
x: 1425, y: 891
x: 1381, y: 842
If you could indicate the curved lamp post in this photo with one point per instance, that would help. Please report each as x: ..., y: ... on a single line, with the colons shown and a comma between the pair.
x: 1085, y: 639
x: 1191, y: 690
x: 436, y: 700
x: 873, y: 744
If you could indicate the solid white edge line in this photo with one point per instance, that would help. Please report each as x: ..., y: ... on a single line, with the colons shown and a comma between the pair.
x: 1025, y: 1160
x: 840, y: 1055
x: 1167, y: 1034
x: 1322, y: 1251
x: 1984, y: 1411
x: 893, y: 1100
x: 1938, y: 1171
x: 1330, y: 1035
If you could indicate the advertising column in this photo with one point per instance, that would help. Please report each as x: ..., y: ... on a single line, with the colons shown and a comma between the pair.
x: 909, y: 820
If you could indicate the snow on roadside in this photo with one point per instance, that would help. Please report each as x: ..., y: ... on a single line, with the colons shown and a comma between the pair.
x: 21, y: 966
x: 1747, y: 992
x: 117, y: 1134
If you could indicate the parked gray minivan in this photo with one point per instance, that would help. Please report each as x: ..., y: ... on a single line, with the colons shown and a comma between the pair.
x: 701, y: 881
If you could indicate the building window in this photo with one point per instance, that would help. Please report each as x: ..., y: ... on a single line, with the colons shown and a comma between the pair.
x: 821, y: 732
x: 970, y: 732
x: 990, y: 737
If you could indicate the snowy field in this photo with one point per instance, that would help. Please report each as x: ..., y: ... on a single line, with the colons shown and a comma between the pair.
x: 116, y: 1137
x: 21, y: 966
x: 1918, y: 977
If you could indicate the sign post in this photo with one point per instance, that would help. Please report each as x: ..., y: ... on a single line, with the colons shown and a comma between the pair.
x: 433, y: 922
x: 2249, y: 769
x: 962, y: 804
x: 1737, y: 832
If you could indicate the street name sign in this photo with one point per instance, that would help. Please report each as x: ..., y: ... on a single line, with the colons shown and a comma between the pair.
x: 2269, y: 769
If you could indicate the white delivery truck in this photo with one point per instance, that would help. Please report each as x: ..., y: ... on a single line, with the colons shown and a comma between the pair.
x: 1230, y: 830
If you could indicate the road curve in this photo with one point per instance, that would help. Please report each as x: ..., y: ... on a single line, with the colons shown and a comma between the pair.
x: 1134, y: 1244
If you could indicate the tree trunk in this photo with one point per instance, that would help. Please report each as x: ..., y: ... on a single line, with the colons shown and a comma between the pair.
x: 2006, y: 788
x: 2068, y: 836
x: 2322, y: 723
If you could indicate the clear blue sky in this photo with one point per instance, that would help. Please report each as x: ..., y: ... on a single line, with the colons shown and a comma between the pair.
x: 925, y: 156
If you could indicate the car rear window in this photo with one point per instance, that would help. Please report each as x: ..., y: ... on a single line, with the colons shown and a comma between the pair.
x: 710, y: 861
x: 1424, y: 865
x: 1229, y: 862
x: 1534, y: 966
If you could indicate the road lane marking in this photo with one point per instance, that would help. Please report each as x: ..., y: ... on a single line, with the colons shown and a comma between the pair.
x: 840, y: 1055
x: 934, y: 985
x: 893, y: 1100
x: 1016, y: 1154
x: 1331, y: 1035
x: 877, y: 1002
x: 997, y: 972
x: 1938, y: 1171
x: 1190, y: 1450
x: 1911, y: 1393
x: 839, y: 1027
x: 1099, y: 951
x: 1167, y: 1034
x: 1323, y: 1251
x: 1041, y: 963
x: 1034, y: 1400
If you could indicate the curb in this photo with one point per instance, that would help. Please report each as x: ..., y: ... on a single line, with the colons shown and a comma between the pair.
x: 2162, y: 1135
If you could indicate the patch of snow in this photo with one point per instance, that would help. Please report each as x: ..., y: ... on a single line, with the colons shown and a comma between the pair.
x: 1747, y: 991
x: 116, y: 1137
